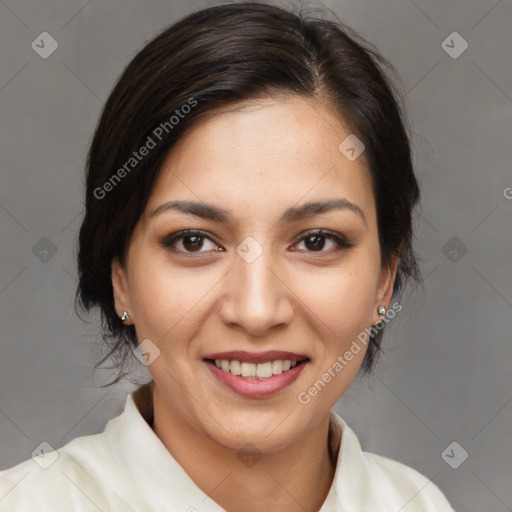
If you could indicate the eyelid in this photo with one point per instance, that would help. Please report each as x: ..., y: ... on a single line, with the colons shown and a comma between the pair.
x: 341, y: 241
x: 323, y: 232
x: 169, y: 240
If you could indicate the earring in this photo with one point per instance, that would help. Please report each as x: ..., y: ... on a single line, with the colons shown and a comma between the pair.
x: 125, y: 316
x: 381, y: 310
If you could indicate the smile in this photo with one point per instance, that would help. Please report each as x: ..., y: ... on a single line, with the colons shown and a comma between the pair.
x: 252, y: 370
x: 256, y: 375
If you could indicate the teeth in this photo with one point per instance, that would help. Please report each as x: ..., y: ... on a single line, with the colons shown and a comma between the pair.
x: 277, y: 367
x: 255, y: 370
x: 236, y: 367
x: 264, y: 370
x: 248, y: 370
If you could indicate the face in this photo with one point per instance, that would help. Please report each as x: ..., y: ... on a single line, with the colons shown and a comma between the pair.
x: 249, y: 284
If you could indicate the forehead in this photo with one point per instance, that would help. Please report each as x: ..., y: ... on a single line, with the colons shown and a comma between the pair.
x: 264, y: 155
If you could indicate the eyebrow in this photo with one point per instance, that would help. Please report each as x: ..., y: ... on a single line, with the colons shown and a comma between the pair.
x: 293, y: 214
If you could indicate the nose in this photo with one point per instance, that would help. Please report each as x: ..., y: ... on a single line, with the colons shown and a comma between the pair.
x: 257, y: 297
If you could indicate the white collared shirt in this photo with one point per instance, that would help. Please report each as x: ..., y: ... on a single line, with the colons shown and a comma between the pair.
x: 126, y: 468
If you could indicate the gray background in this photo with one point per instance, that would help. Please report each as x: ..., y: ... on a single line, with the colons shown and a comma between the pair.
x: 446, y: 372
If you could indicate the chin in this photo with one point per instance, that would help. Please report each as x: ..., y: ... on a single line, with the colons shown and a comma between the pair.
x: 265, y: 432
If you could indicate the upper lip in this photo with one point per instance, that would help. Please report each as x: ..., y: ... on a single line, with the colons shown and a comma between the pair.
x: 257, y: 357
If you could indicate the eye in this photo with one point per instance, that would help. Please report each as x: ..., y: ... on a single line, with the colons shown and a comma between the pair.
x: 192, y: 241
x: 187, y: 241
x: 315, y: 241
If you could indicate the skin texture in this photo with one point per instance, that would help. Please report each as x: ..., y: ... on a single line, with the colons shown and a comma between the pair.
x: 255, y: 159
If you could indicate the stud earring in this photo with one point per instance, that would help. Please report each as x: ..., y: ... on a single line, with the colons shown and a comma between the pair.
x: 125, y: 316
x: 381, y: 310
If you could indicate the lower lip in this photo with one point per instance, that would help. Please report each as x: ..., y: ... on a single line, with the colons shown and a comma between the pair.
x: 257, y: 388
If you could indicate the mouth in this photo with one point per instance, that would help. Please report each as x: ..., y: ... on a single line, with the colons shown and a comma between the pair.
x: 256, y: 374
x: 261, y: 371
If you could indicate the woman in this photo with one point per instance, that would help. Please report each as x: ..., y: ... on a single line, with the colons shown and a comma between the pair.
x: 247, y: 234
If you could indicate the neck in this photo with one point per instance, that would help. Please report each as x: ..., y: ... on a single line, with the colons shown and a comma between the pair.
x: 295, y: 478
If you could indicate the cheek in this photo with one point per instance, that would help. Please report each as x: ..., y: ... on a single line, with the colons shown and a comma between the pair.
x: 341, y: 297
x: 158, y: 295
x: 165, y: 296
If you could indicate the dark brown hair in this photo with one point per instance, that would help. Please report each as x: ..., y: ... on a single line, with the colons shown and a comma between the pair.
x: 209, y: 59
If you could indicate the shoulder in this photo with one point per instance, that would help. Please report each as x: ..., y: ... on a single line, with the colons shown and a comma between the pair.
x: 74, y: 477
x: 369, y: 481
x: 403, y: 484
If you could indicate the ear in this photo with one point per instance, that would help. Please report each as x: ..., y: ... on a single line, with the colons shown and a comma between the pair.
x: 121, y: 290
x: 385, y: 288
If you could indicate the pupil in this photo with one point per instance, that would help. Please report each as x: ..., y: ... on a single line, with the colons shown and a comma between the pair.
x: 196, y: 242
x: 319, y: 241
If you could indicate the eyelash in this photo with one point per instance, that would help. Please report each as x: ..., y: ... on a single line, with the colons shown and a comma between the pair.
x: 170, y: 240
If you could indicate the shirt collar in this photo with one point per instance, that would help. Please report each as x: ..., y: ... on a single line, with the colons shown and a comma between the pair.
x: 151, y: 466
